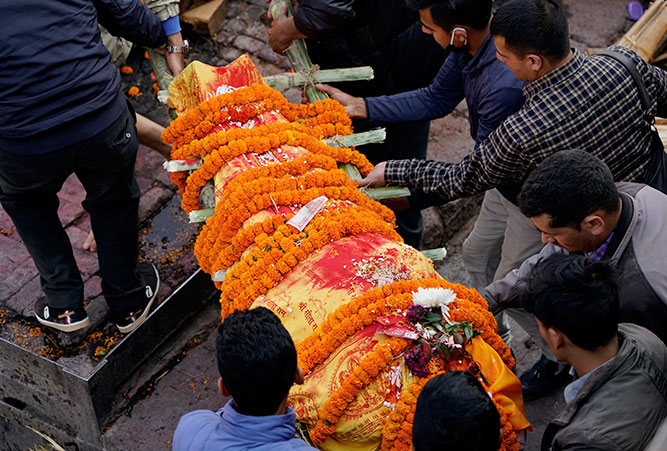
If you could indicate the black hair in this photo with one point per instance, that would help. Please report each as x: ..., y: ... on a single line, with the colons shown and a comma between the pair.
x: 576, y: 295
x: 256, y: 359
x: 454, y: 412
x: 447, y: 13
x: 568, y: 186
x: 533, y: 26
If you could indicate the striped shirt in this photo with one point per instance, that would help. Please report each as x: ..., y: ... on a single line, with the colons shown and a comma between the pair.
x: 589, y: 103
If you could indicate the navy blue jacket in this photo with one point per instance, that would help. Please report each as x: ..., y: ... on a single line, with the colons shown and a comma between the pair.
x: 490, y: 89
x: 57, y: 83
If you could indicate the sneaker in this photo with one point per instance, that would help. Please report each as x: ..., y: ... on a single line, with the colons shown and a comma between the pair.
x: 133, y: 319
x: 544, y: 378
x: 67, y: 320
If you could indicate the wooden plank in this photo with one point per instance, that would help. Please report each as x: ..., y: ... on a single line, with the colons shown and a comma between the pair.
x: 205, y: 19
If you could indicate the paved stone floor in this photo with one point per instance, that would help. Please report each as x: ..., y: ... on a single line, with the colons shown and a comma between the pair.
x: 166, y: 237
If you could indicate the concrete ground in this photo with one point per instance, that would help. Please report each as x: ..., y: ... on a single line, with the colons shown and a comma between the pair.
x: 167, y: 238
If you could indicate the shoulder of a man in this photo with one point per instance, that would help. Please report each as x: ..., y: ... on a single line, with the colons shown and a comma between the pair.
x: 637, y: 383
x: 196, y: 430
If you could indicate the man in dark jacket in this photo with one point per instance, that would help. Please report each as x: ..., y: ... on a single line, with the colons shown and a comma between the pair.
x: 572, y: 199
x: 618, y: 399
x: 62, y: 112
x: 383, y: 34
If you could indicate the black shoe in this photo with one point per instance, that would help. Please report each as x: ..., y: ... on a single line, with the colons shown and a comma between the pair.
x: 133, y: 319
x: 544, y: 378
x: 67, y: 320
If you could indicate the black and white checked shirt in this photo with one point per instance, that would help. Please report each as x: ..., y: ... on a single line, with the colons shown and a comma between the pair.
x: 589, y: 103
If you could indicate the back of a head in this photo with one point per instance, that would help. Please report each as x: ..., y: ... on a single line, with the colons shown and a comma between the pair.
x: 569, y: 185
x: 256, y: 359
x: 448, y: 13
x: 576, y: 295
x: 533, y: 26
x: 454, y: 412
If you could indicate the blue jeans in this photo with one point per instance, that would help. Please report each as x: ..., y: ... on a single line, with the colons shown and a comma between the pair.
x: 105, y: 166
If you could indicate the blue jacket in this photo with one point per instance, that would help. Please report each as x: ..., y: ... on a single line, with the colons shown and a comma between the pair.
x: 57, y: 83
x: 490, y: 89
x: 227, y: 429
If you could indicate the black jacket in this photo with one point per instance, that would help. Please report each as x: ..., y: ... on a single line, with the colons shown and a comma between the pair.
x: 384, y: 34
x: 57, y: 83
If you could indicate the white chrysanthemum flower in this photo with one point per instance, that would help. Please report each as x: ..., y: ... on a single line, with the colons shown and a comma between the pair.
x: 433, y: 297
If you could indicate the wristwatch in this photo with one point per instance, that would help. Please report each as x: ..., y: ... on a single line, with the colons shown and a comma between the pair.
x: 179, y: 48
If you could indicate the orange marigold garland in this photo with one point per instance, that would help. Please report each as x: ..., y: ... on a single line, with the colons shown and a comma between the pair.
x: 213, y: 162
x: 322, y: 126
x: 275, y: 256
x: 371, y: 366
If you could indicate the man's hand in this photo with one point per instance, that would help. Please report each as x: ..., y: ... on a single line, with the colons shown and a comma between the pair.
x: 355, y: 107
x: 283, y: 31
x: 375, y: 178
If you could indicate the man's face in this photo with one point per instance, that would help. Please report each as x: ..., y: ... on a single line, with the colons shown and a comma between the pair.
x: 441, y: 36
x: 521, y: 67
x: 572, y: 240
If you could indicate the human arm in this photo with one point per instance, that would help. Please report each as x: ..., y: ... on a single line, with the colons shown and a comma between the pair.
x: 312, y: 18
x: 283, y: 31
x: 505, y: 157
x: 131, y: 20
x: 355, y: 107
x: 436, y: 100
x: 167, y: 11
x: 506, y: 293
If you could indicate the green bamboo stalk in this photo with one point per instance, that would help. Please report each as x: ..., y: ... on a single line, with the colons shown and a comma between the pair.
x: 387, y: 192
x: 351, y: 170
x: 377, y: 135
x: 161, y: 69
x: 297, y: 53
x: 291, y: 79
x: 435, y: 254
x: 200, y: 215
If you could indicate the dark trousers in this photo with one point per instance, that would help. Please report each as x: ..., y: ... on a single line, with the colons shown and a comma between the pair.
x: 404, y: 141
x: 105, y: 166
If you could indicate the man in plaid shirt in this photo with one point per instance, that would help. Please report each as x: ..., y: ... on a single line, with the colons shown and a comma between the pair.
x: 572, y: 102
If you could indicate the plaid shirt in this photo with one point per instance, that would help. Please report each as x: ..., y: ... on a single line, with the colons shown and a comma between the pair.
x: 589, y: 103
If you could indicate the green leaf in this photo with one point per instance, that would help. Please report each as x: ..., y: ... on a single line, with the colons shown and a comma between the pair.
x: 432, y: 317
x: 469, y: 332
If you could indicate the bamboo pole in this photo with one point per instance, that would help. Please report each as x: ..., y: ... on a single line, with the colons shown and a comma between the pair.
x: 291, y: 79
x: 377, y: 135
x: 648, y: 32
x: 164, y: 77
x: 297, y: 53
x: 358, y: 139
x: 435, y: 254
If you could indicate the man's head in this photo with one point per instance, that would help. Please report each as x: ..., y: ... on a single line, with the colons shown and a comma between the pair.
x: 257, y: 361
x: 450, y: 21
x: 575, y: 302
x: 454, y: 412
x: 572, y: 199
x: 531, y: 36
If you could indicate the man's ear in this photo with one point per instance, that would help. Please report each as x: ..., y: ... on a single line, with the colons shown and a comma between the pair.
x: 594, y: 224
x: 222, y: 388
x: 299, y: 377
x: 556, y: 337
x: 535, y: 62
